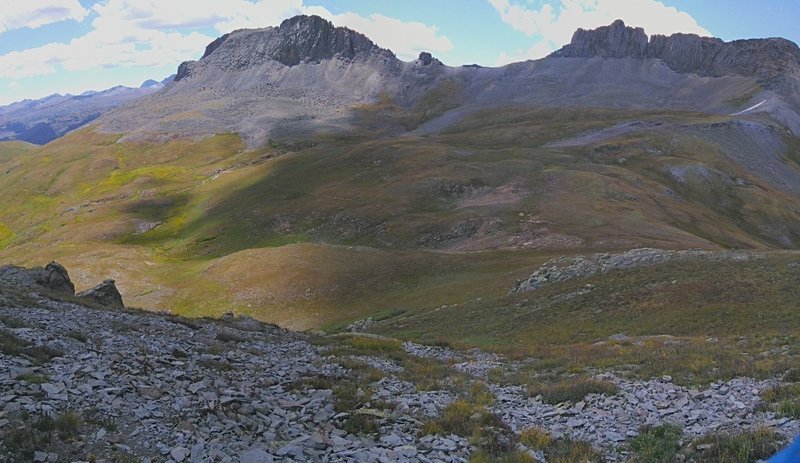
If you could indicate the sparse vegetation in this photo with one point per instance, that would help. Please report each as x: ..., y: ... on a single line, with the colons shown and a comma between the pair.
x: 42, y: 354
x: 482, y: 456
x: 536, y: 438
x: 567, y: 450
x: 32, y: 378
x: 656, y: 444
x: 34, y: 433
x: 68, y: 425
x: 77, y: 335
x: 187, y: 322
x: 745, y: 447
x: 10, y: 344
x: 12, y: 322
x: 215, y: 364
x: 557, y: 389
x: 783, y: 400
x: 121, y: 326
x: 230, y: 336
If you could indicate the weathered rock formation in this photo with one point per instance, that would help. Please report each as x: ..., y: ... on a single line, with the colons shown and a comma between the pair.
x: 53, y: 279
x: 765, y: 59
x: 614, y: 41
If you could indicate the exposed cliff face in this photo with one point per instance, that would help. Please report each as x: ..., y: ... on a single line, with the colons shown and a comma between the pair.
x: 765, y: 59
x: 614, y: 41
x: 301, y: 39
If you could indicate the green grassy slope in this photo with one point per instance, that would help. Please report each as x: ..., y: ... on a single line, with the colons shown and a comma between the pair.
x: 427, y: 230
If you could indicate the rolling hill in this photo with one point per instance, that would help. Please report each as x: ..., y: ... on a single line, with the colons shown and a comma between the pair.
x: 305, y: 176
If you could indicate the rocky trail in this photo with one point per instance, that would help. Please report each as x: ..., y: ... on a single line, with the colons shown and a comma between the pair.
x: 80, y: 383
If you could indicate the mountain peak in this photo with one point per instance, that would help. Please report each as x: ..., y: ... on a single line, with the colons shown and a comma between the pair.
x: 300, y: 39
x: 614, y: 41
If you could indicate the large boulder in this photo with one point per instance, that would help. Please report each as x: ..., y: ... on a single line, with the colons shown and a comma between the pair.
x: 105, y: 294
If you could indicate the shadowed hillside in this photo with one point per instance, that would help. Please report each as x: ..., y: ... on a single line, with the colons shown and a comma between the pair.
x: 413, y: 191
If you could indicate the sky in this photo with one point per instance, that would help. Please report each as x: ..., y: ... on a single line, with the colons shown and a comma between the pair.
x: 71, y: 46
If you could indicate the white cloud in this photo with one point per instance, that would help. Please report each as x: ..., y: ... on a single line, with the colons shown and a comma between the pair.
x: 406, y: 39
x: 158, y: 33
x: 101, y: 48
x: 16, y: 14
x: 555, y: 22
x: 177, y: 14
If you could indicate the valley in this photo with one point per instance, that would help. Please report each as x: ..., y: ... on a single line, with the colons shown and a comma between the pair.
x: 620, y: 217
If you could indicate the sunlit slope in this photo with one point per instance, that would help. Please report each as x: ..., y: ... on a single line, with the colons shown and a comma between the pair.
x: 339, y: 228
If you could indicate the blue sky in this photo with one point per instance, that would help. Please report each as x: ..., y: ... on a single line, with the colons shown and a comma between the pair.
x: 70, y: 46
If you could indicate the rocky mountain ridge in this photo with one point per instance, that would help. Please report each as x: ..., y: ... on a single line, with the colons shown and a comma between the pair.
x: 765, y: 59
x: 301, y: 39
x: 308, y: 77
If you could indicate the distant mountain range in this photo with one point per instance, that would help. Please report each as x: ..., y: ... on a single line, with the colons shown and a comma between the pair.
x: 306, y: 76
x: 41, y: 121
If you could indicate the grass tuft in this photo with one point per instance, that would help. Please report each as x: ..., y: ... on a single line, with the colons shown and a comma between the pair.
x: 77, y: 335
x: 536, y: 438
x: 783, y: 400
x: 745, y: 447
x: 556, y: 390
x: 12, y: 322
x: 656, y: 444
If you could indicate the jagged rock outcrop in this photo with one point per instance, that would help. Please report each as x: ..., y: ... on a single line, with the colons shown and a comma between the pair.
x: 765, y: 59
x: 53, y: 281
x: 53, y: 278
x: 301, y: 39
x: 105, y: 294
x: 614, y: 41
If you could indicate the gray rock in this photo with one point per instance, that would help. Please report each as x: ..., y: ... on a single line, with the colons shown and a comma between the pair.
x: 179, y: 453
x: 106, y: 294
x: 256, y: 456
x: 766, y: 59
x: 614, y: 41
x: 52, y: 279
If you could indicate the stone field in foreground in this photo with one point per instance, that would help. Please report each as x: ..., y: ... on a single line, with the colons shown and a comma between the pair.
x: 124, y: 385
